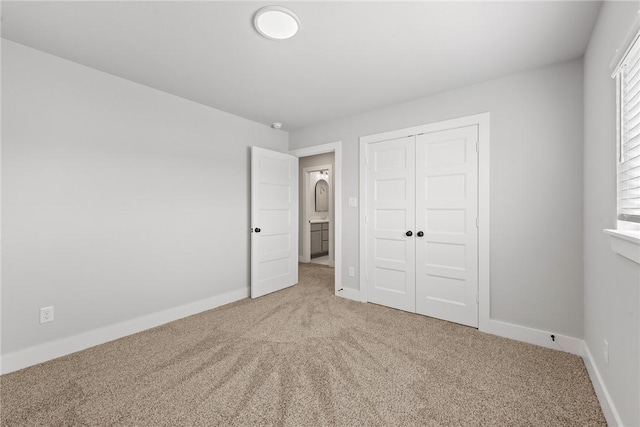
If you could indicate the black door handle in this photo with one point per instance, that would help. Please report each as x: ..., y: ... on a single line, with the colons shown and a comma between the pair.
x: 420, y: 234
x: 257, y: 230
x: 409, y: 233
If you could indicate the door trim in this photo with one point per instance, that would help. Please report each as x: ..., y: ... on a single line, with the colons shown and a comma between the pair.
x: 336, y: 148
x: 482, y: 120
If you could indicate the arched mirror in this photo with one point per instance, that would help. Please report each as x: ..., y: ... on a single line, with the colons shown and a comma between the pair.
x: 322, y: 196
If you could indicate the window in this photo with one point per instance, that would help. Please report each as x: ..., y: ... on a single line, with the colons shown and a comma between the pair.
x: 627, y: 75
x: 625, y: 239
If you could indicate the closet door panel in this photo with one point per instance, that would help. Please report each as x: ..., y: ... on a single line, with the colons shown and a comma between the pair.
x: 446, y: 212
x: 390, y: 215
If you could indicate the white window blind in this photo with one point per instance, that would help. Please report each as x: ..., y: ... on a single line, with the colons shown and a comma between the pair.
x: 628, y: 80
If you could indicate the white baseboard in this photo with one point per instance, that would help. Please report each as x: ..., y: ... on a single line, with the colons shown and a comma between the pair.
x: 606, y: 403
x: 301, y: 258
x: 47, y: 351
x: 349, y: 293
x: 535, y: 336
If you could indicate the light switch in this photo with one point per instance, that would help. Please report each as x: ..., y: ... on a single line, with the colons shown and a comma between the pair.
x: 353, y: 202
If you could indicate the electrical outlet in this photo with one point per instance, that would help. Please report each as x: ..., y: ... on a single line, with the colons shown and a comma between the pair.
x: 353, y: 202
x: 352, y: 272
x: 46, y: 314
x: 605, y: 352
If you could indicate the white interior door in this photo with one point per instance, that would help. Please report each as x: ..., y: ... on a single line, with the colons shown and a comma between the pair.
x: 390, y: 219
x: 447, y: 234
x: 274, y: 221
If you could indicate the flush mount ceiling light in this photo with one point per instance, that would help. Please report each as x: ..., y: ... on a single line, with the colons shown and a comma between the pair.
x: 276, y: 22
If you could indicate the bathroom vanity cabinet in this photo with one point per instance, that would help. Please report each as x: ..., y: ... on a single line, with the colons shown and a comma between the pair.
x: 319, y: 239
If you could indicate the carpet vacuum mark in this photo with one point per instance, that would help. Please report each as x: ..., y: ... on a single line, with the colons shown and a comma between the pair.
x: 303, y: 357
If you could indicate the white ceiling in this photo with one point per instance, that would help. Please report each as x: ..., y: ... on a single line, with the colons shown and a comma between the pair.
x: 348, y: 57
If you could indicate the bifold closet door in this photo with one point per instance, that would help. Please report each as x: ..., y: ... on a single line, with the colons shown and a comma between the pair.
x: 390, y: 221
x: 446, y: 231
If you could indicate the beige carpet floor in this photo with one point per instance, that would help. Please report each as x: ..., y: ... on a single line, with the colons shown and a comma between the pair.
x: 303, y: 357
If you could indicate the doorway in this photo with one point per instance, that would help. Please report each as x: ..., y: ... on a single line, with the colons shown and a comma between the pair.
x: 320, y: 227
x: 317, y: 220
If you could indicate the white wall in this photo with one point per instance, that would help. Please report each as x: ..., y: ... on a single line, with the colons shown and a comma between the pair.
x: 536, y: 177
x: 612, y: 283
x: 118, y: 200
x: 306, y: 162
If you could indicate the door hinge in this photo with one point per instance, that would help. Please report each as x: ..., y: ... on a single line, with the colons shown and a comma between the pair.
x: 477, y: 223
x: 478, y: 147
x: 477, y: 298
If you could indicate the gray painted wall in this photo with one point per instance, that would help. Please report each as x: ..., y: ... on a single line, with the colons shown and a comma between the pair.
x: 536, y: 181
x: 306, y: 162
x: 612, y: 283
x: 118, y: 200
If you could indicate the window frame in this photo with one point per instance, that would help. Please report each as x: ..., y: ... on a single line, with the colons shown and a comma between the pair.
x: 624, y: 221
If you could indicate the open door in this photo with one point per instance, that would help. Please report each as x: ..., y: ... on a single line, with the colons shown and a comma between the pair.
x: 274, y: 221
